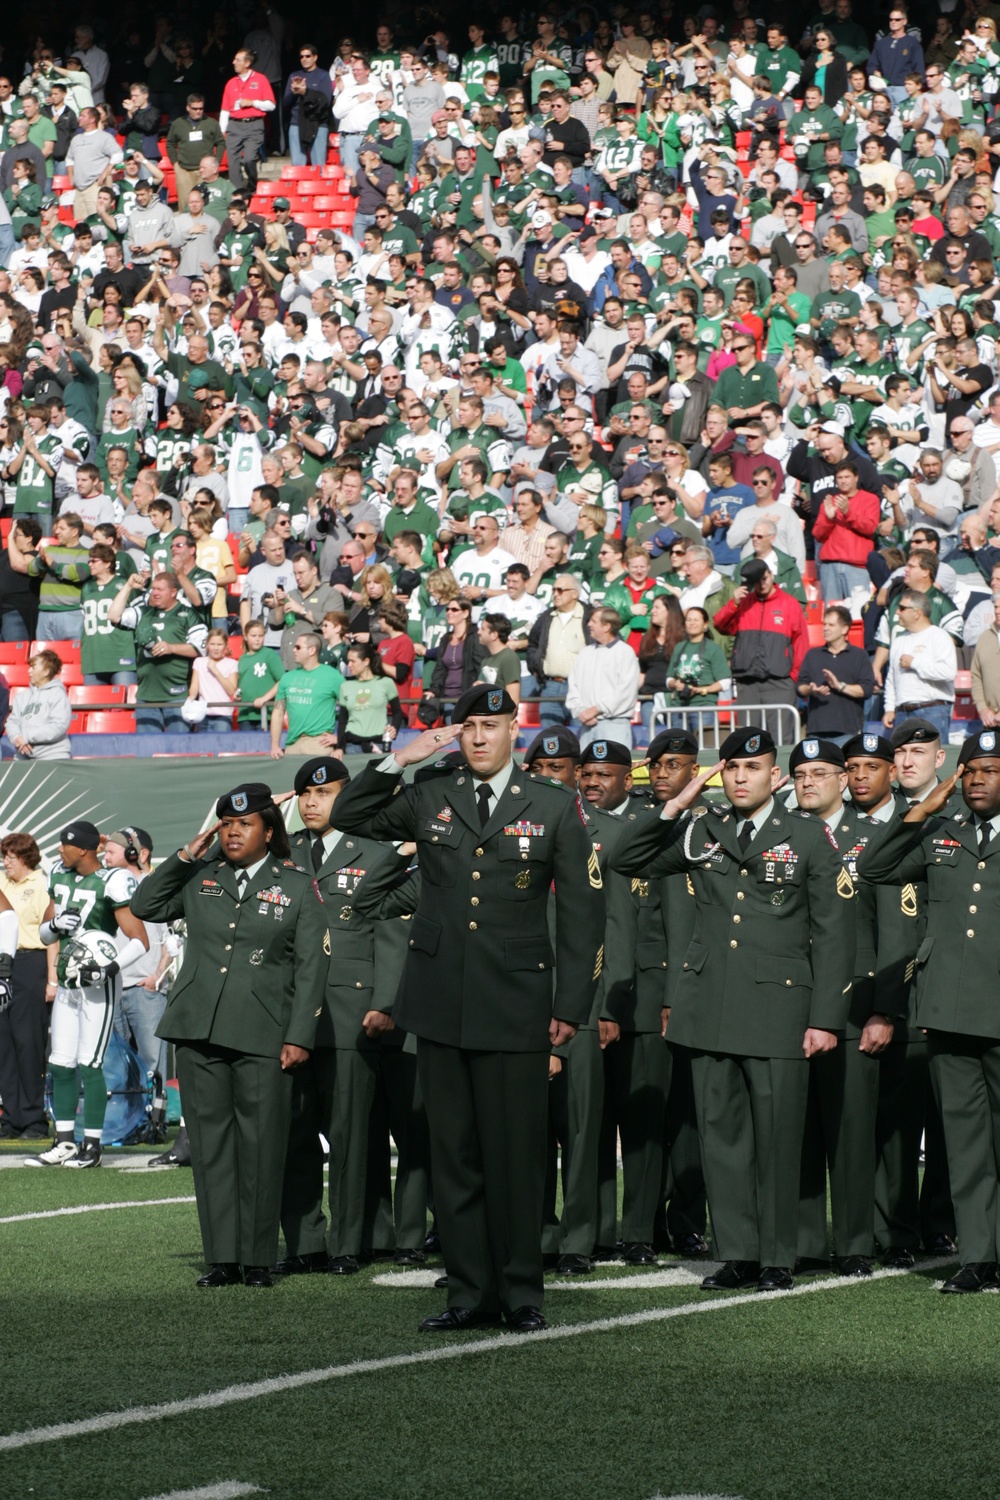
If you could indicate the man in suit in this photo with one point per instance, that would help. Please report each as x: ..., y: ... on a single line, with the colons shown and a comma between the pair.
x: 477, y: 988
x: 956, y: 969
x: 243, y: 1016
x: 358, y: 1056
x: 765, y: 986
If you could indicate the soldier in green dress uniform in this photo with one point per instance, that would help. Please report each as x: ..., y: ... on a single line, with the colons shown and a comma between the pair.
x: 843, y: 1084
x: 477, y: 988
x: 956, y: 985
x: 765, y: 986
x: 358, y: 1054
x: 243, y: 1015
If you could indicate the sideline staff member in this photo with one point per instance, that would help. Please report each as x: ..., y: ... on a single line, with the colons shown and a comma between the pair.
x: 243, y: 1015
x: 477, y: 988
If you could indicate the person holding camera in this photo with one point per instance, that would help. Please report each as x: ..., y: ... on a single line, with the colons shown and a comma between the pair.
x: 266, y: 589
x: 698, y: 669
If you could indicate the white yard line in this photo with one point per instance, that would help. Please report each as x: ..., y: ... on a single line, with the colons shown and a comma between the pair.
x: 115, y: 1421
x: 226, y: 1489
x: 92, y: 1208
x: 679, y: 1273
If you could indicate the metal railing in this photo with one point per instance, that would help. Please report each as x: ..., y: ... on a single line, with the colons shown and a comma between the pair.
x: 724, y: 716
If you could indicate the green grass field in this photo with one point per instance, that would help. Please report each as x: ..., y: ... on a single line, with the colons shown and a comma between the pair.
x: 843, y: 1391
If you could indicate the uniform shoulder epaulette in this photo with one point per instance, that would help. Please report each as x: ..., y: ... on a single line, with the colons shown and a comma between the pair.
x: 290, y: 864
x: 551, y: 781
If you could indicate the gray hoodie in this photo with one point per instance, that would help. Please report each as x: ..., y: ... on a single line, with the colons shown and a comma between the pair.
x: 41, y: 715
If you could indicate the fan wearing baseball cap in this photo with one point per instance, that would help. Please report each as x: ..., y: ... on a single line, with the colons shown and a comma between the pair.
x: 477, y: 989
x: 958, y: 855
x: 765, y: 986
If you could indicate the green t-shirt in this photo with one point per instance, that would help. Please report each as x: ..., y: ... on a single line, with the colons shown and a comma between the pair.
x: 311, y: 700
x: 256, y: 674
x: 502, y: 669
x: 367, y: 705
x: 104, y: 647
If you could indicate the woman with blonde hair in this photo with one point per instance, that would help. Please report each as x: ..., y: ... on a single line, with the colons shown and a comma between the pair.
x: 126, y: 385
x: 273, y: 258
x: 212, y: 554
x: 688, y: 484
x: 374, y: 586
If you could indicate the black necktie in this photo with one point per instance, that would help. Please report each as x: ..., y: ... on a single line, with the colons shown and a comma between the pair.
x: 242, y: 880
x: 744, y: 836
x: 318, y: 852
x: 985, y: 834
x: 483, y: 796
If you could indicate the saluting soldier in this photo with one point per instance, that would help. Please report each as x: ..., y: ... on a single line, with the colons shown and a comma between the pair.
x: 956, y: 984
x: 358, y: 1053
x: 843, y: 1084
x: 765, y: 986
x: 636, y: 1069
x: 477, y: 988
x: 243, y: 1015
x: 673, y: 762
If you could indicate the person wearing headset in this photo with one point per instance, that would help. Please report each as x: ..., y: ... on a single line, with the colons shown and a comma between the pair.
x: 142, y: 999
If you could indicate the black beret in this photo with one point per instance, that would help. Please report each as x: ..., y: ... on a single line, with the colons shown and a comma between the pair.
x: 557, y: 743
x: 80, y: 835
x: 874, y: 746
x: 251, y: 797
x: 483, y: 699
x: 606, y: 752
x: 745, y: 744
x: 320, y: 771
x: 915, y: 731
x: 979, y: 746
x: 672, y: 742
x: 810, y: 751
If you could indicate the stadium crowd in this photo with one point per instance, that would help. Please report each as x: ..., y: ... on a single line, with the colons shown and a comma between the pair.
x: 617, y: 376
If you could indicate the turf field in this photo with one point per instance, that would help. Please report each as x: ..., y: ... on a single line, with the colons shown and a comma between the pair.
x: 120, y: 1381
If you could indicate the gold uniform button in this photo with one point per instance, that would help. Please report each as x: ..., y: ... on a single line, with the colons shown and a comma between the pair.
x: 981, y: 865
x: 733, y: 943
x: 743, y: 872
x: 737, y: 918
x: 977, y: 887
x: 687, y: 966
x: 232, y: 926
x: 474, y: 901
x: 357, y: 984
x: 476, y: 875
x: 229, y: 947
x: 411, y: 942
x: 973, y: 910
x: 788, y: 984
x: 478, y: 852
x: 969, y: 932
x: 740, y: 895
x: 222, y: 971
x: 473, y: 926
x: 434, y: 838
x: 541, y: 966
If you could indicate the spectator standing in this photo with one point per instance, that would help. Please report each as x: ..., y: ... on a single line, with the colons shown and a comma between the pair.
x: 554, y: 642
x: 770, y: 642
x: 835, y: 679
x: 310, y: 692
x: 192, y: 136
x: 986, y: 671
x: 214, y: 683
x: 168, y: 636
x: 247, y: 100
x: 368, y: 711
x: 63, y: 570
x: 90, y: 153
x: 107, y: 653
x: 24, y: 1024
x: 920, y: 677
x: 604, y: 682
x: 38, y: 723
x: 845, y: 528
x: 308, y: 102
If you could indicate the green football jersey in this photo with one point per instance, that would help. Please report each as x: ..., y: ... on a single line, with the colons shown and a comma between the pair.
x: 35, y: 490
x: 104, y: 647
x: 96, y: 897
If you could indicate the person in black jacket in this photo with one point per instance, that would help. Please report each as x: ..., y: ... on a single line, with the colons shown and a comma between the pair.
x: 573, y: 637
x: 824, y: 55
x: 460, y: 654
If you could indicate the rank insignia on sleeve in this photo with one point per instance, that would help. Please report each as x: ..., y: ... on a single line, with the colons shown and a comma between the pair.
x: 594, y: 871
x: 326, y: 944
x: 908, y: 900
x: 845, y: 885
x: 599, y: 963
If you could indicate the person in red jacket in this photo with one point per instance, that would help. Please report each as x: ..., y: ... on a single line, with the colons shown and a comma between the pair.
x: 846, y: 525
x: 771, y: 641
x: 246, y: 100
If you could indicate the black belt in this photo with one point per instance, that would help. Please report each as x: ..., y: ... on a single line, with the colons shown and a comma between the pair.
x: 915, y: 708
x: 557, y: 679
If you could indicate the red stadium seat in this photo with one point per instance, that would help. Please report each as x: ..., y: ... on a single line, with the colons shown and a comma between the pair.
x: 312, y: 187
x: 16, y: 676
x: 332, y: 169
x: 294, y: 174
x: 270, y: 190
x: 65, y: 650
x: 14, y: 653
x: 313, y: 221
x: 82, y: 697
x: 114, y: 721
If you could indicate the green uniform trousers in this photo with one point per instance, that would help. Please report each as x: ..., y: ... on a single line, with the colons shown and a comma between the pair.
x: 395, y: 1212
x: 687, y: 1211
x: 637, y: 1076
x: 237, y: 1109
x: 840, y: 1136
x: 910, y: 1211
x: 751, y: 1112
x: 965, y: 1071
x: 583, y: 1069
x: 487, y: 1119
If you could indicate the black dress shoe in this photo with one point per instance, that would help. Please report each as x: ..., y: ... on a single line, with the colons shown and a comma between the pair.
x: 636, y: 1254
x: 974, y: 1278
x: 735, y: 1273
x: 457, y: 1320
x: 8, y: 1132
x: 432, y: 1244
x: 344, y: 1265
x: 604, y: 1252
x: 574, y: 1265
x: 775, y: 1279
x: 226, y: 1274
x: 526, y: 1320
x: 408, y: 1257
x: 854, y: 1265
x: 942, y: 1244
x: 811, y: 1265
x: 257, y: 1276
x: 896, y: 1258
x: 441, y: 1284
x: 691, y: 1245
x: 35, y: 1133
x: 302, y: 1265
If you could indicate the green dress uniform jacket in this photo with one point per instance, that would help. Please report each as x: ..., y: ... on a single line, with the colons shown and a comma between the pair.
x: 477, y: 991
x: 252, y: 980
x: 771, y: 955
x: 955, y: 1000
x: 335, y: 1092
